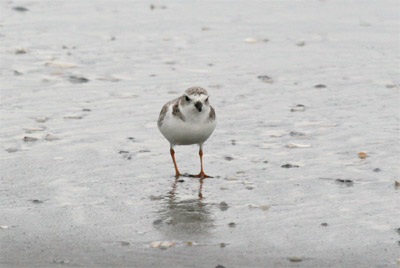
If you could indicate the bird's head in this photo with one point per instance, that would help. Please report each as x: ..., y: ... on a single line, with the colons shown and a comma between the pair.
x: 195, y: 99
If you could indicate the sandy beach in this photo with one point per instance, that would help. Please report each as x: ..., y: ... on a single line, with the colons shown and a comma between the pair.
x: 305, y: 156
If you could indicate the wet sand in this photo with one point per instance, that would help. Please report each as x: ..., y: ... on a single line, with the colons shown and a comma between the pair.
x: 299, y: 88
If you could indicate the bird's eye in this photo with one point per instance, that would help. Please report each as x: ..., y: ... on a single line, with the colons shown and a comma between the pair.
x: 207, y: 100
x: 187, y: 98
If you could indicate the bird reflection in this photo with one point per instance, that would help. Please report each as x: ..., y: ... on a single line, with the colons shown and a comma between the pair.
x: 183, y: 218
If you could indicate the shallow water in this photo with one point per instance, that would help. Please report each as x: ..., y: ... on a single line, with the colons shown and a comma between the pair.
x: 100, y: 189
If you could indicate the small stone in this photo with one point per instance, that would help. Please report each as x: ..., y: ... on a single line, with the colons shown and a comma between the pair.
x: 295, y: 259
x: 298, y: 108
x: 265, y: 162
x: 205, y: 28
x: 347, y: 183
x: 392, y: 85
x: 324, y: 224
x: 11, y: 150
x: 397, y: 183
x: 231, y: 178
x: 29, y: 139
x: 398, y: 261
x: 78, y: 80
x: 264, y: 39
x: 376, y: 170
x: 249, y: 187
x: 4, y: 227
x: 181, y: 180
x: 36, y: 201
x: 54, y: 64
x: 228, y: 158
x: 264, y: 207
x: 157, y: 222
x: 155, y: 197
x: 297, y: 145
x: 124, y: 243
x: 250, y: 40
x: 265, y: 79
x: 233, y: 142
x: 41, y: 119
x: 219, y: 266
x: 162, y: 244
x: 222, y: 245
x: 189, y: 243
x: 144, y: 151
x: 223, y: 206
x: 50, y: 137
x: 152, y: 7
x: 20, y: 9
x: 289, y: 166
x: 232, y: 224
x: 123, y: 152
x: 72, y: 116
x: 296, y: 134
x: 86, y: 110
x: 240, y: 172
x: 17, y: 73
x: 320, y: 86
x: 19, y: 51
x: 362, y: 155
x: 61, y: 261
x: 301, y: 44
x: 131, y: 139
x: 33, y: 129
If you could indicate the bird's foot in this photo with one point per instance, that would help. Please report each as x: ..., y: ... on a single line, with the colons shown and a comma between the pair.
x: 201, y: 175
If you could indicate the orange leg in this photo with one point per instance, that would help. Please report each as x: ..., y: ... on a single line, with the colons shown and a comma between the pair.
x: 177, y: 174
x: 201, y: 174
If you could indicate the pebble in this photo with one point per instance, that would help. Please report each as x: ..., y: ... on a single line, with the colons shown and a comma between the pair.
x: 50, y: 137
x: 155, y: 197
x: 17, y: 73
x: 265, y: 79
x: 219, y: 266
x: 301, y: 44
x: 296, y: 134
x: 344, y: 182
x: 124, y: 243
x: 41, y: 119
x: 392, y: 85
x: 250, y: 40
x: 298, y: 108
x: 61, y: 261
x: 362, y: 155
x: 162, y: 244
x: 181, y: 180
x: 295, y: 259
x: 222, y: 245
x: 324, y: 224
x: 231, y: 178
x: 376, y: 170
x: 249, y: 187
x: 289, y: 166
x: 296, y: 145
x: 33, y: 129
x: 60, y: 64
x: 262, y: 207
x: 397, y: 183
x: 228, y: 158
x: 86, y: 110
x: 205, y: 28
x: 72, y: 116
x: 157, y: 222
x: 20, y: 9
x: 19, y: 51
x: 232, y: 224
x: 11, y: 150
x: 109, y: 79
x: 223, y: 206
x: 29, y: 139
x: 233, y: 142
x: 4, y: 227
x: 189, y: 243
x: 240, y: 172
x: 78, y: 79
x: 265, y: 162
x: 320, y: 86
x: 36, y: 201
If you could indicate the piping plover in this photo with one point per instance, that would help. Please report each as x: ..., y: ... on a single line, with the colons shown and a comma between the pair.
x: 186, y: 120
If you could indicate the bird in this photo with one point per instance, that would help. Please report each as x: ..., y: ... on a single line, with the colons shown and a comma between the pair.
x: 186, y: 120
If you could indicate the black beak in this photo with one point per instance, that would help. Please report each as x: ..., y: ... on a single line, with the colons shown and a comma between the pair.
x: 198, y: 106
